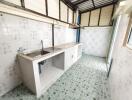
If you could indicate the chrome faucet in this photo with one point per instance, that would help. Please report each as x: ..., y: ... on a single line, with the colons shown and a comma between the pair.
x: 42, y: 50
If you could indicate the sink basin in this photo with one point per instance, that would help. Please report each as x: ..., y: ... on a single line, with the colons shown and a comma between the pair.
x: 37, y: 53
x: 40, y: 53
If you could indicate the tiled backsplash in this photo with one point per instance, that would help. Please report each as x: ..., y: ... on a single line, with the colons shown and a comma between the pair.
x: 64, y: 35
x: 16, y: 32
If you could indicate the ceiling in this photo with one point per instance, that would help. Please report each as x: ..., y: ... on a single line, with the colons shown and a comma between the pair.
x: 86, y: 5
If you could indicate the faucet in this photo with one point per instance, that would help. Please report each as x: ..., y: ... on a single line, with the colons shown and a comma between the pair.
x: 42, y: 50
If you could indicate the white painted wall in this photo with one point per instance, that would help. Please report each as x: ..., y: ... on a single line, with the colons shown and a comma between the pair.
x: 18, y: 32
x: 96, y: 40
x: 121, y: 74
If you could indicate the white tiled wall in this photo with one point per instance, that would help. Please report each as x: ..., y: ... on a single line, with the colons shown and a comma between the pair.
x: 18, y: 32
x: 96, y: 40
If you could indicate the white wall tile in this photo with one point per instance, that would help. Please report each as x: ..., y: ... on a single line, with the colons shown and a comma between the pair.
x: 96, y: 40
x: 64, y: 35
x: 18, y: 32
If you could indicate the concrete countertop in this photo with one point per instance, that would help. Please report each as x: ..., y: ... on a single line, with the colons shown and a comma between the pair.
x: 52, y: 52
x: 68, y: 45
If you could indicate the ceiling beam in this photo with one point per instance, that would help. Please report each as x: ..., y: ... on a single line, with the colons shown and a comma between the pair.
x: 98, y: 7
x: 93, y: 4
x: 79, y: 2
x: 69, y: 4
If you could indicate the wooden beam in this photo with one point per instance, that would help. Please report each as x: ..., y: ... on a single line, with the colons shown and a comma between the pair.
x: 59, y: 10
x: 79, y: 18
x: 23, y: 3
x: 73, y: 18
x: 93, y: 4
x: 99, y: 16
x: 46, y: 5
x: 89, y: 18
x: 67, y: 14
x: 111, y: 23
x: 69, y: 4
x: 98, y: 7
x: 79, y: 2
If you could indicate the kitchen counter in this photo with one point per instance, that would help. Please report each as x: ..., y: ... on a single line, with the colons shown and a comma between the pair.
x: 52, y: 52
x: 41, y: 71
x: 68, y: 45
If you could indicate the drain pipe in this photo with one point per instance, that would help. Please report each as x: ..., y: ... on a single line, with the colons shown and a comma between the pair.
x: 40, y: 64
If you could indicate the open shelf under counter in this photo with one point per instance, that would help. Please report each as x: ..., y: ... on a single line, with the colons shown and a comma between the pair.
x: 51, y: 70
x: 49, y: 75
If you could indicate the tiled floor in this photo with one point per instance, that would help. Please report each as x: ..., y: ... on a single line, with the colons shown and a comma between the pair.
x: 85, y: 80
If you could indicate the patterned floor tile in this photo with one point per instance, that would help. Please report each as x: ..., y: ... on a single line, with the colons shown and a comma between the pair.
x: 85, y: 80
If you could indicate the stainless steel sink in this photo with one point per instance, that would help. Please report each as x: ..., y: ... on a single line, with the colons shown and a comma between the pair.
x: 37, y: 53
x: 40, y: 52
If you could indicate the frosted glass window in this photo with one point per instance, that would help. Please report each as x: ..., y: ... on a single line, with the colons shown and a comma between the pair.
x: 36, y: 5
x: 70, y: 20
x: 63, y: 12
x: 53, y: 8
x: 94, y: 17
x: 85, y: 19
x: 105, y: 17
x: 75, y: 17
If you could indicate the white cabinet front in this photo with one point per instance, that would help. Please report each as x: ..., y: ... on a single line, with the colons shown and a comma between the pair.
x: 70, y: 56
